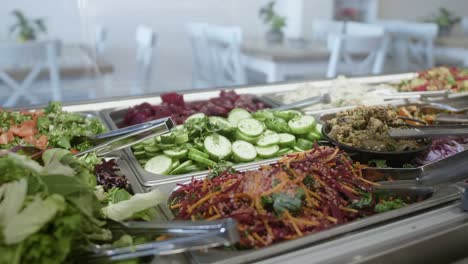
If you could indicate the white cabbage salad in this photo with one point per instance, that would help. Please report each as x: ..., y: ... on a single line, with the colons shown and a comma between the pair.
x: 343, y: 92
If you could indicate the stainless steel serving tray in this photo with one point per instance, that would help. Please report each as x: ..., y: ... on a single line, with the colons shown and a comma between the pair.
x: 438, y: 196
x: 115, y: 116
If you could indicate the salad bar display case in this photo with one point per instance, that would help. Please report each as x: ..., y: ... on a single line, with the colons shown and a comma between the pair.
x: 246, y: 175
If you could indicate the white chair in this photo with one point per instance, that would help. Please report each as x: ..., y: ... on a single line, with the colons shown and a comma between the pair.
x: 100, y: 41
x: 35, y: 56
x: 146, y: 41
x: 322, y: 27
x: 224, y: 45
x: 464, y: 25
x: 413, y: 43
x: 363, y: 29
x: 356, y: 54
x: 202, y: 72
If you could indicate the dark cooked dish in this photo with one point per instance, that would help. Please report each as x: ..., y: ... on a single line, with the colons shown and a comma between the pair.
x: 366, y: 127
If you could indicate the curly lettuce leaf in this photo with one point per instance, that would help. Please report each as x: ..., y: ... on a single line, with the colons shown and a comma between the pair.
x: 32, y: 218
x: 137, y: 203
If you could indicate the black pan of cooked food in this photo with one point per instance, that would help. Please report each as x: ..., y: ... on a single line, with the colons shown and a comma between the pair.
x: 363, y: 133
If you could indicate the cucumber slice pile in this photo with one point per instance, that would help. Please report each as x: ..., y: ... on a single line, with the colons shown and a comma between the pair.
x: 241, y: 137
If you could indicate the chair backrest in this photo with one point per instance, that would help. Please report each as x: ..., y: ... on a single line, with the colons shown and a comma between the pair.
x: 224, y: 44
x: 416, y: 43
x: 363, y: 54
x: 146, y: 41
x: 202, y: 71
x: 322, y: 27
x: 464, y: 25
x: 100, y: 41
x: 34, y: 56
x: 363, y: 29
x: 14, y: 53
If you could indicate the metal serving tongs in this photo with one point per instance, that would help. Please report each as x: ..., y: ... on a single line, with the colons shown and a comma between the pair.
x: 324, y: 98
x: 445, y: 118
x: 188, y: 235
x: 429, y: 131
x: 121, y: 138
x: 416, y: 95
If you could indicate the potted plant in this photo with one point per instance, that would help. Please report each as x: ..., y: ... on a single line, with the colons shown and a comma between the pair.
x: 274, y: 21
x: 445, y: 19
x: 26, y: 29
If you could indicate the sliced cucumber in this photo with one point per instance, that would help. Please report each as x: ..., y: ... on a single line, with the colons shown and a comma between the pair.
x: 151, y: 149
x: 243, y: 151
x: 267, y: 152
x: 263, y: 115
x: 168, y: 138
x: 287, y: 140
x: 166, y: 146
x: 268, y: 138
x: 304, y: 144
x: 219, y: 147
x: 287, y: 114
x: 192, y: 168
x: 199, y: 153
x: 241, y: 136
x: 182, y: 168
x: 195, y: 116
x: 278, y: 125
x: 238, y: 114
x: 302, y: 124
x: 220, y: 123
x: 313, y: 136
x: 138, y: 147
x: 150, y: 141
x: 139, y: 153
x: 176, y: 153
x: 250, y: 127
x: 198, y: 143
x: 318, y: 129
x: 181, y: 138
x: 175, y: 163
x: 284, y: 151
x: 297, y: 149
x: 202, y: 160
x: 161, y: 164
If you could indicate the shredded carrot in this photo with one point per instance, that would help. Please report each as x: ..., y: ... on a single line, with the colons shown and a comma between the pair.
x: 256, y: 236
x: 293, y: 223
x: 214, y: 217
x: 240, y: 196
x: 334, y: 220
x: 268, y: 229
x: 306, y: 222
x: 175, y: 206
x: 351, y: 210
x: 202, y: 200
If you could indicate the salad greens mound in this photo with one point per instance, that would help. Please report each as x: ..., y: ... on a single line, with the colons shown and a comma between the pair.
x: 53, y: 208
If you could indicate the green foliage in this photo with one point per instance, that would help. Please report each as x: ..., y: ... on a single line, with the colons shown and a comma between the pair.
x: 445, y: 18
x: 271, y: 18
x: 27, y: 29
x: 388, y: 205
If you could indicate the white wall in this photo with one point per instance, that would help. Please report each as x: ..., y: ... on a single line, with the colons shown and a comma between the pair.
x: 418, y: 10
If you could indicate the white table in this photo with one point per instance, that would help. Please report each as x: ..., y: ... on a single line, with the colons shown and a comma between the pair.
x: 277, y: 61
x: 75, y: 60
x: 451, y: 50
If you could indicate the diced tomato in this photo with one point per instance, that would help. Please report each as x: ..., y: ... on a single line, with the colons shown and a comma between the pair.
x: 421, y: 88
x: 74, y: 151
x: 41, y: 142
x: 26, y: 129
x: 6, y: 137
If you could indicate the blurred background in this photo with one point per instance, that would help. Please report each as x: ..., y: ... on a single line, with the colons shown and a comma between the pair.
x: 84, y: 50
